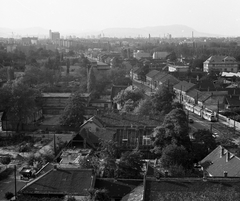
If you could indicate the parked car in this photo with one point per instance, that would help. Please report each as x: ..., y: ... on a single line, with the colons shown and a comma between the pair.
x: 190, y: 121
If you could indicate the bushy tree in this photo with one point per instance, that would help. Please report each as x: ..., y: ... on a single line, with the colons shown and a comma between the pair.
x: 73, y: 113
x: 145, y: 107
x: 174, y: 130
x: 19, y: 101
x: 130, y: 165
x: 163, y: 99
x: 99, y: 195
x: 174, y: 155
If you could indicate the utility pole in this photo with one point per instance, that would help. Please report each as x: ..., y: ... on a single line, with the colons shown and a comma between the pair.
x: 15, y: 180
x: 211, y: 128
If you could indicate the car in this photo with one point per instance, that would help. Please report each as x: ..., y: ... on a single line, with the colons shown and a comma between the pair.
x: 190, y: 121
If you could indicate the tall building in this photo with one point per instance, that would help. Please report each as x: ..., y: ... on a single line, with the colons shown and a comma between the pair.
x: 54, y: 36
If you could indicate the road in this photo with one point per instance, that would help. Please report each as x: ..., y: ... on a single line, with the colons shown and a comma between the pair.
x: 216, y: 127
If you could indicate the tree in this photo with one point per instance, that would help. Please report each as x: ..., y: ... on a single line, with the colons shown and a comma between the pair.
x: 21, y: 103
x: 145, y: 107
x: 73, y: 113
x: 99, y: 195
x: 68, y: 66
x: 130, y: 165
x: 91, y: 81
x: 129, y: 94
x: 163, y: 99
x: 108, y: 154
x: 5, y: 160
x: 174, y: 155
x: 91, y: 162
x: 174, y: 130
x: 204, y: 143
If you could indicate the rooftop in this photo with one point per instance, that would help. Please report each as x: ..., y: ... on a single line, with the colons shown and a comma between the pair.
x: 61, y: 182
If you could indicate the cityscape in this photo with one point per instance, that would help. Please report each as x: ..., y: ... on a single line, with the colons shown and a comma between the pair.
x: 100, y: 108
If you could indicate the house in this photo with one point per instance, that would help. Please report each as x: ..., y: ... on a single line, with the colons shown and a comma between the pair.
x: 232, y: 102
x: 150, y: 76
x: 101, y: 103
x: 181, y: 90
x: 168, y: 80
x: 178, y: 68
x: 221, y: 162
x: 135, y: 73
x: 220, y: 64
x: 160, y: 55
x: 61, y: 182
x: 140, y: 54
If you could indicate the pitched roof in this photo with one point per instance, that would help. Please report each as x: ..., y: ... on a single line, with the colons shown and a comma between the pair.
x: 159, y: 76
x: 204, y: 96
x: 114, y: 119
x: 233, y: 101
x: 135, y: 195
x: 152, y: 73
x: 165, y: 188
x: 194, y: 93
x: 220, y: 58
x: 117, y: 188
x: 184, y: 86
x: 220, y: 160
x: 61, y: 182
x: 169, y: 79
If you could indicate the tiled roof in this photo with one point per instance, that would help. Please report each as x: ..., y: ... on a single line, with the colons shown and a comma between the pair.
x: 184, y: 86
x: 114, y: 119
x: 215, y: 165
x: 152, y: 73
x: 206, y: 84
x: 117, y: 188
x: 219, y: 58
x: 166, y: 188
x: 61, y: 182
x: 204, y: 96
x: 194, y: 93
x: 169, y: 79
x: 233, y: 91
x: 135, y: 195
x: 159, y: 76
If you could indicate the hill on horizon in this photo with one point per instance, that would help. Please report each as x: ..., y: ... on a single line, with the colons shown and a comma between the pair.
x: 154, y: 31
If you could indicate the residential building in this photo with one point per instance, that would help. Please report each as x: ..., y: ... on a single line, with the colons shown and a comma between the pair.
x: 178, y: 68
x: 160, y: 55
x: 181, y: 90
x: 54, y: 36
x: 140, y: 54
x: 220, y: 64
x: 221, y: 162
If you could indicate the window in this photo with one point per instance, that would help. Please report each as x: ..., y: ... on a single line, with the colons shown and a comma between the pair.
x: 146, y: 140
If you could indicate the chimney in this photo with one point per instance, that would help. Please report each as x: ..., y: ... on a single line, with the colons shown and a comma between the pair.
x: 227, y: 156
x: 221, y: 152
x: 225, y: 173
x: 55, y: 167
x: 204, y: 176
x: 166, y: 173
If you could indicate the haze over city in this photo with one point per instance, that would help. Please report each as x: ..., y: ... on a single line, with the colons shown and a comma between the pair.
x: 220, y: 17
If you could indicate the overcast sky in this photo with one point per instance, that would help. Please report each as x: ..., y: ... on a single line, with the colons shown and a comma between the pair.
x: 209, y: 16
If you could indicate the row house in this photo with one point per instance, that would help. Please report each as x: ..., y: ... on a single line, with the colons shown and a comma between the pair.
x: 181, y: 90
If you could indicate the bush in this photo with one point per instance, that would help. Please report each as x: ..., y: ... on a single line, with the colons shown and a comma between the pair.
x: 4, y: 174
x: 25, y: 148
x: 5, y: 160
x: 9, y: 195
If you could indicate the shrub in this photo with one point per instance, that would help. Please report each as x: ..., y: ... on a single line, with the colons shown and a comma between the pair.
x: 5, y: 160
x: 9, y: 195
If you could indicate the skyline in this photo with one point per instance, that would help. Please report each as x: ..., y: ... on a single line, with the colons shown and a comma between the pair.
x: 208, y: 16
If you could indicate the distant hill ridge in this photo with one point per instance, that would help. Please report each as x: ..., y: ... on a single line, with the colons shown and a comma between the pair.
x: 154, y: 31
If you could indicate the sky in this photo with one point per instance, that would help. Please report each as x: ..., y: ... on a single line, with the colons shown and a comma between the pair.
x: 208, y: 16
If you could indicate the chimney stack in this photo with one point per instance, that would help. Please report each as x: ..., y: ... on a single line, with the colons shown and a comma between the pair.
x: 225, y: 173
x: 166, y: 173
